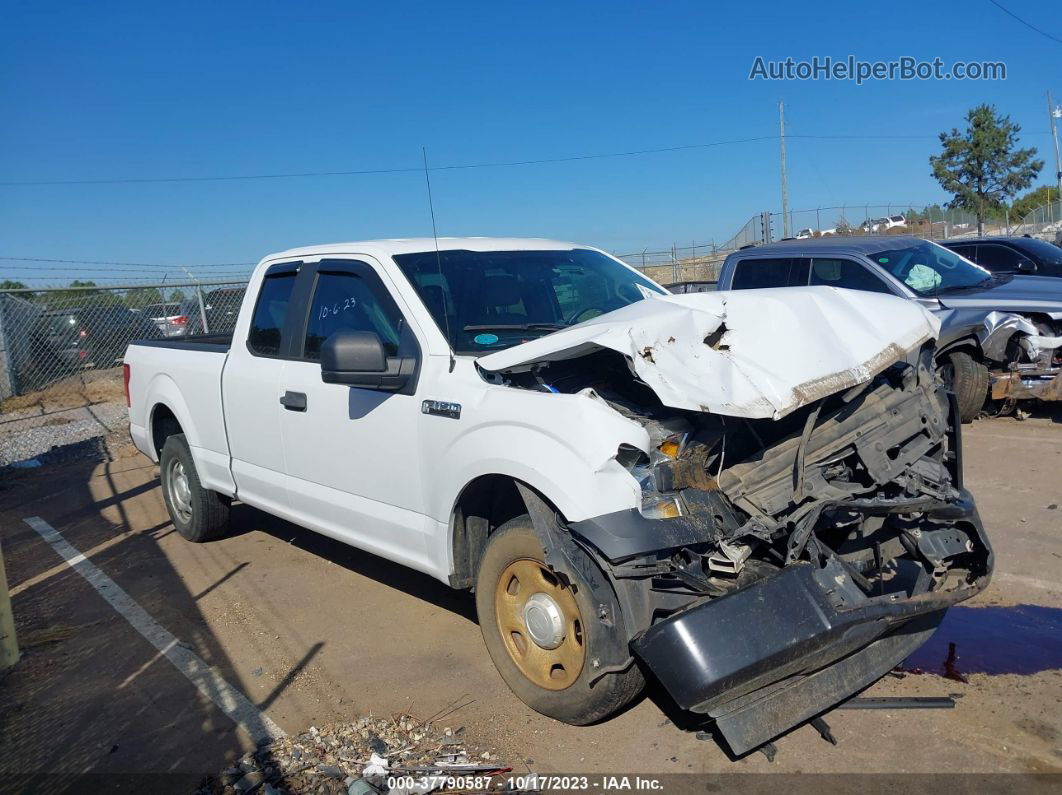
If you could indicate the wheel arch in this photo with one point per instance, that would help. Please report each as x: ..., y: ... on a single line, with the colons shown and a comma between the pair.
x: 163, y: 424
x: 483, y: 505
x: 165, y: 400
x: 968, y: 344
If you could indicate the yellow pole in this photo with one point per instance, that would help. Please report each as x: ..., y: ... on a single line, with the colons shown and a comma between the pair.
x: 8, y: 643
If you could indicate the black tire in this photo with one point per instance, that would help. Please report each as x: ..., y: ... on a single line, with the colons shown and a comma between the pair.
x: 578, y: 703
x: 968, y: 379
x: 199, y: 514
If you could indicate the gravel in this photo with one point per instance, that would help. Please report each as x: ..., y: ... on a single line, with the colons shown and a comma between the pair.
x: 332, y: 760
x: 28, y: 433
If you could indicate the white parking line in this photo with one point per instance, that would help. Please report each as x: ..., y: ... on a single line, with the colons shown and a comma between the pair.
x: 205, y: 678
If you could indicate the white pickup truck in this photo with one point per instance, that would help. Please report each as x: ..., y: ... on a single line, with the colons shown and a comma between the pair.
x: 755, y: 497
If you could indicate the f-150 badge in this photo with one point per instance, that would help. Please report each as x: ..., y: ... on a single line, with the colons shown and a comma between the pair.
x: 441, y: 408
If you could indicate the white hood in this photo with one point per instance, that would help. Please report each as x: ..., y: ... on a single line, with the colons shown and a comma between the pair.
x: 744, y: 353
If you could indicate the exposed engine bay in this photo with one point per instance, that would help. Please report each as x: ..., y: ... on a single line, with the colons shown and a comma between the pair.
x: 840, y: 477
x: 819, y: 535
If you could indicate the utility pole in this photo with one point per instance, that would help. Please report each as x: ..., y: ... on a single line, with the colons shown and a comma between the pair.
x: 1055, y: 112
x: 785, y: 185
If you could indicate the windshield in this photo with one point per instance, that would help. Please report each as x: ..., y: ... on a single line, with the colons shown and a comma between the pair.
x: 929, y: 269
x: 495, y: 299
x: 1043, y: 252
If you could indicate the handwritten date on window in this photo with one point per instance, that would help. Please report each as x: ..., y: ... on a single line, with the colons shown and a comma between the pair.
x: 337, y: 308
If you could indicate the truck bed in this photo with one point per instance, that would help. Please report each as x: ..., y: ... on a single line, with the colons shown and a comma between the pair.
x: 215, y: 343
x: 182, y: 375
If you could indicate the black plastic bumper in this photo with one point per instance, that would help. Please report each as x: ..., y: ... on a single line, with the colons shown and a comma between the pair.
x: 765, y: 658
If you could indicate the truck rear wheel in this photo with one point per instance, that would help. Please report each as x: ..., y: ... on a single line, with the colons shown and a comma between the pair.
x: 199, y: 514
x: 968, y: 379
x: 540, y: 631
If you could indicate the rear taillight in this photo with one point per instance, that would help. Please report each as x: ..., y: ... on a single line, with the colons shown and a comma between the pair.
x: 125, y: 384
x: 180, y: 320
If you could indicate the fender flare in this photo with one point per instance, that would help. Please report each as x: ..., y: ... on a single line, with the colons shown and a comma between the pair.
x: 163, y: 391
x: 564, y: 556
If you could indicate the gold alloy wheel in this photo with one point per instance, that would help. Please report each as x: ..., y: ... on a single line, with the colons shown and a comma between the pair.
x: 540, y: 624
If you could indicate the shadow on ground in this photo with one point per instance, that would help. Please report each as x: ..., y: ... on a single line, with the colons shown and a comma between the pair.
x: 92, y: 705
x: 245, y: 519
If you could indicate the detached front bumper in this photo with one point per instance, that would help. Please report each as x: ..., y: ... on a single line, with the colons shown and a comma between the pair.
x: 771, y: 655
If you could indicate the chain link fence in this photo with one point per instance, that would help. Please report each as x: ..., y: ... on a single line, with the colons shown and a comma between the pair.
x: 927, y: 221
x: 701, y: 262
x: 1045, y: 222
x: 61, y: 351
x: 696, y: 262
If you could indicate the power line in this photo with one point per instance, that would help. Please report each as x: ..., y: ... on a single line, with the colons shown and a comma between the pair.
x: 1022, y: 21
x: 130, y: 264
x: 454, y: 167
x: 145, y: 273
x: 145, y: 281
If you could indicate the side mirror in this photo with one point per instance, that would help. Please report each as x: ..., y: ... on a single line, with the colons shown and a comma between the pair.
x: 1025, y: 266
x: 358, y: 358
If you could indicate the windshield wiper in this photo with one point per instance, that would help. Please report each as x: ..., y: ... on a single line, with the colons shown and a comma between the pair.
x: 515, y: 327
x: 961, y: 287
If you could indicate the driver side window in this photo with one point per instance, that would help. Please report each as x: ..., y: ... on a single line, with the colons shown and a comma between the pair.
x: 349, y: 301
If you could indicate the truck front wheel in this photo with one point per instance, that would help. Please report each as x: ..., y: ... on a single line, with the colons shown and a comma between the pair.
x: 199, y: 514
x: 541, y: 633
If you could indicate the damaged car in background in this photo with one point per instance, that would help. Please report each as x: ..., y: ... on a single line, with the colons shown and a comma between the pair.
x: 755, y: 496
x: 1001, y: 333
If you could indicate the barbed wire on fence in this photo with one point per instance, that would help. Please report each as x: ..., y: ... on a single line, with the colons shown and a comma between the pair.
x: 1044, y: 220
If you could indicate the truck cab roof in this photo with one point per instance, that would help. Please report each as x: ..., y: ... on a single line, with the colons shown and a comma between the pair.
x: 411, y: 245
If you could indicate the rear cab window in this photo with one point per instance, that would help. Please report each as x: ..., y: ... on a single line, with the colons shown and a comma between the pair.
x: 271, y: 309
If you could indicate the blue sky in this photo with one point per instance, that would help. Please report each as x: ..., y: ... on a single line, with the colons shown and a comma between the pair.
x: 134, y: 90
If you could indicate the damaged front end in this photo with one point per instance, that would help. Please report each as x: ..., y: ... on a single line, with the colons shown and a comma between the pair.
x: 777, y: 565
x: 850, y: 535
x: 1025, y: 356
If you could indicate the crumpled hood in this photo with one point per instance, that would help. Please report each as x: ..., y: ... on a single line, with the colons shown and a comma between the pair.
x: 743, y: 353
x: 1017, y: 294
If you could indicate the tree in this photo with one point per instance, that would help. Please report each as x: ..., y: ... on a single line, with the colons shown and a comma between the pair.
x: 8, y: 284
x: 982, y: 167
x: 140, y: 297
x: 177, y: 296
x: 1028, y: 202
x: 67, y: 299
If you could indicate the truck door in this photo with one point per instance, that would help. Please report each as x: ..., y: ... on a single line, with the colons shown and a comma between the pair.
x: 352, y: 453
x: 250, y: 393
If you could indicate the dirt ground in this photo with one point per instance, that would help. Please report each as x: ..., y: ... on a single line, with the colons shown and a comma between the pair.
x: 83, y: 389
x: 313, y: 631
